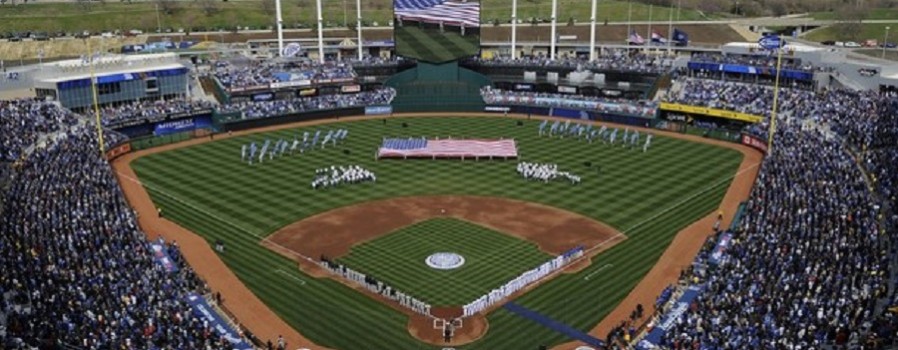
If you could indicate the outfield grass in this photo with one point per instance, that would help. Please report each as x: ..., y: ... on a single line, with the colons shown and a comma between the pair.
x: 491, y: 260
x: 252, y: 13
x: 427, y: 44
x: 648, y: 196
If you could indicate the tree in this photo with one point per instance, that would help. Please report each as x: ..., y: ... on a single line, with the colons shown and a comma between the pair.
x: 268, y: 6
x: 169, y: 7
x: 210, y: 7
x: 84, y: 5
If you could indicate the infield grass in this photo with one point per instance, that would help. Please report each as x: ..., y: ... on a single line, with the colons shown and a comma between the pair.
x: 491, y: 260
x: 648, y: 196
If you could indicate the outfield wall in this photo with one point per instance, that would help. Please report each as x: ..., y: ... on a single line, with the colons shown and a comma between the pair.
x: 291, y: 118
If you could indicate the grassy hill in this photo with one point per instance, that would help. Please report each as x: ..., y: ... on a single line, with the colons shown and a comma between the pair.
x: 259, y: 14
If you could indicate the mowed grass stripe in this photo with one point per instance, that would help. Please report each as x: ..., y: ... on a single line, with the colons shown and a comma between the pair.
x: 398, y: 259
x: 632, y: 187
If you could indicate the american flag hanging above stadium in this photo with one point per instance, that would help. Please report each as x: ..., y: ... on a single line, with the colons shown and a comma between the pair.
x: 435, y: 11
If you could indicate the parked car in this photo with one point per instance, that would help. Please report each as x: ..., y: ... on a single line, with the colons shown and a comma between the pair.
x: 82, y: 35
x: 852, y: 44
x: 888, y: 45
x: 828, y: 42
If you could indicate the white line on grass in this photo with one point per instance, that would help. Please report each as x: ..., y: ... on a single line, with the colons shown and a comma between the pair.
x: 687, y: 199
x: 597, y: 271
x: 194, y: 206
x: 285, y: 273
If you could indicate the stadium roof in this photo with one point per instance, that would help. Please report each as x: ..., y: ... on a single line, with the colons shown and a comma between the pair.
x: 793, y: 46
x: 106, y: 65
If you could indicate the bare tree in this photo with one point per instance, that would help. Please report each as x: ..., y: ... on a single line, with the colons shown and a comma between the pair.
x: 210, y: 7
x: 268, y: 6
x: 84, y: 5
x: 169, y: 7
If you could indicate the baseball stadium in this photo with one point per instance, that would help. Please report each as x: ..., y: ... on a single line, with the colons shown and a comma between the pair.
x: 448, y: 174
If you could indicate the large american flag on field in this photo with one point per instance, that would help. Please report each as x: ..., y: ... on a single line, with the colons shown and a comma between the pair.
x: 450, y: 12
x: 400, y: 148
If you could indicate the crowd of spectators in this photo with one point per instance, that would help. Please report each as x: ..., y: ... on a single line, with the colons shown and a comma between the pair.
x: 23, y: 121
x: 736, y: 96
x: 77, y: 271
x: 264, y: 109
x: 147, y: 110
x: 542, y: 99
x: 609, y: 60
x: 262, y: 73
x: 808, y: 264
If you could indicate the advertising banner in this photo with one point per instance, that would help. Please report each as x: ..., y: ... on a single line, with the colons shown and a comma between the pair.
x: 118, y: 151
x: 204, y: 311
x: 679, y: 308
x: 711, y: 112
x: 182, y: 125
x: 378, y: 110
x: 161, y: 257
x: 754, y: 142
x: 350, y: 88
x: 292, y: 83
x: 499, y: 109
x: 723, y: 243
x: 567, y: 89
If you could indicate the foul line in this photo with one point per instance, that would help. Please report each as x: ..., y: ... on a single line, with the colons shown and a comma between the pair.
x: 285, y: 273
x: 687, y: 199
x: 197, y: 208
x: 597, y: 271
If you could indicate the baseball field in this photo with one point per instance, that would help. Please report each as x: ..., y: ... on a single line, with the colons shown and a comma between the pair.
x: 432, y: 45
x: 630, y: 205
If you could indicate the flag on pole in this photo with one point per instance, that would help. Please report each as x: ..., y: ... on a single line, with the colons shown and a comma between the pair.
x: 635, y: 39
x: 680, y: 37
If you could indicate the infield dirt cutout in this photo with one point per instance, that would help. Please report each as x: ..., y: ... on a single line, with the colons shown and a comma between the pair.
x: 333, y: 233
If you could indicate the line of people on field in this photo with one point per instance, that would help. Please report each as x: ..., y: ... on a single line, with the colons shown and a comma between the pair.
x: 338, y: 175
x: 545, y: 172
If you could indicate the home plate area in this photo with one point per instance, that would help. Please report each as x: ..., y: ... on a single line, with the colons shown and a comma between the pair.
x: 446, y: 261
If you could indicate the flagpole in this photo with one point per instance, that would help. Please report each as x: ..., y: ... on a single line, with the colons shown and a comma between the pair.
x: 776, y: 92
x: 514, y: 29
x: 320, y: 33
x: 280, y: 27
x: 93, y: 87
x: 358, y: 26
x: 592, y: 33
x: 629, y: 17
x: 669, y: 26
x: 649, y: 31
x: 554, y: 23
